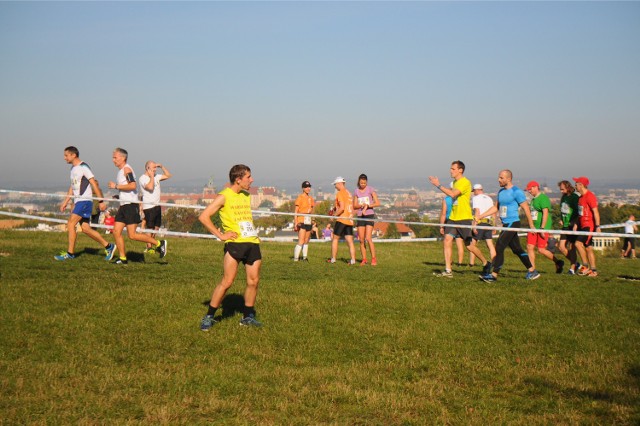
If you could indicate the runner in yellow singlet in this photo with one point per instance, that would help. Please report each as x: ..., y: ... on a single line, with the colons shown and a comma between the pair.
x: 241, y: 244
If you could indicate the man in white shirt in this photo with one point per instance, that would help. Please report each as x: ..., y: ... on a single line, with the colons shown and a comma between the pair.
x: 150, y: 190
x: 629, y: 249
x: 480, y: 203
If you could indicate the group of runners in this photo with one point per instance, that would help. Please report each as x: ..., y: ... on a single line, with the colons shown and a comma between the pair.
x: 466, y: 220
x: 241, y: 242
x: 84, y: 187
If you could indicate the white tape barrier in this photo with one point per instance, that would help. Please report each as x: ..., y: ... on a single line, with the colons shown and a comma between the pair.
x: 260, y: 213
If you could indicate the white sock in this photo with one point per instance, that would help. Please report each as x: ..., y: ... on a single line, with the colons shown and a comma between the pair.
x: 296, y: 252
x: 305, y: 250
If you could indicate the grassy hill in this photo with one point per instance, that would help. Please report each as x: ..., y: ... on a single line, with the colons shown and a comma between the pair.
x: 89, y: 342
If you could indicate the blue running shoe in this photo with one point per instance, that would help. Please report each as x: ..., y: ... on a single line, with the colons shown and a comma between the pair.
x: 207, y: 322
x: 64, y: 256
x: 571, y: 272
x: 488, y: 278
x: 109, y: 250
x: 532, y: 275
x: 250, y: 321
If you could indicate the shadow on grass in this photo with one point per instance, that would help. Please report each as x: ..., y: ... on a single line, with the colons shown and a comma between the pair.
x: 132, y: 256
x: 544, y: 386
x: 231, y: 305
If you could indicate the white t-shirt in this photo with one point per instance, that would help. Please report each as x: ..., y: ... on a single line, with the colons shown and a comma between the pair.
x: 628, y: 226
x: 121, y: 179
x: 481, y: 202
x: 150, y: 198
x: 80, y: 176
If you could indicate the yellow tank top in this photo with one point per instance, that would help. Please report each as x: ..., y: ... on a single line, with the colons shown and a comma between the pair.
x: 236, y: 216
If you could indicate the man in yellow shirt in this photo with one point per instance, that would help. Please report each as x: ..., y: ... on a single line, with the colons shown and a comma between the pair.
x: 461, y: 214
x: 241, y: 244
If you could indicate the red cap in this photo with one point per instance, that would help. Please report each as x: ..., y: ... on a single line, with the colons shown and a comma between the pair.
x: 532, y: 184
x: 582, y: 179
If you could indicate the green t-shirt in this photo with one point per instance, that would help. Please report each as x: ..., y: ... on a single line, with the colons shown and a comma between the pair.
x: 537, y: 205
x: 569, y: 209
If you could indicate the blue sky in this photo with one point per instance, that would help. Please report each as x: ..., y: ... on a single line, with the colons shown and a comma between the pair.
x: 312, y: 90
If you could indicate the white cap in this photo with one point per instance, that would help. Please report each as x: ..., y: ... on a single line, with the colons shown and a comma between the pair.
x: 339, y: 179
x: 477, y: 186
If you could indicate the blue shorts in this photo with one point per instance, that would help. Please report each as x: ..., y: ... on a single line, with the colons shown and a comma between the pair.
x: 83, y: 209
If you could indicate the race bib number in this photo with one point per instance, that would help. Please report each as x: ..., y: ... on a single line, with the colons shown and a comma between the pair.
x: 564, y: 208
x: 581, y: 210
x: 307, y: 220
x: 247, y: 229
x: 534, y: 214
x: 503, y: 211
x: 363, y: 200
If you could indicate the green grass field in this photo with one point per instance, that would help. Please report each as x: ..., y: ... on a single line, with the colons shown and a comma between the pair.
x: 87, y: 342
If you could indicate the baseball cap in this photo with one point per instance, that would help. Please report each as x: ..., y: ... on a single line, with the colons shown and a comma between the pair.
x: 532, y: 184
x: 477, y: 186
x: 306, y: 184
x: 339, y: 179
x: 582, y: 179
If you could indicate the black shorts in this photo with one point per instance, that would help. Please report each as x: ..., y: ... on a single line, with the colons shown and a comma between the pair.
x: 464, y: 233
x: 246, y: 253
x: 568, y: 238
x: 129, y: 214
x: 306, y: 227
x: 483, y: 234
x: 587, y: 240
x: 342, y: 230
x: 629, y: 242
x: 153, y: 217
x: 360, y: 222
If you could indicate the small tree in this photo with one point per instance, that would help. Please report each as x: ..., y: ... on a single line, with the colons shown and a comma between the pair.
x: 392, y: 231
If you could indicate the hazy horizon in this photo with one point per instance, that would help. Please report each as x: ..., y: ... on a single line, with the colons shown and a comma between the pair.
x: 313, y: 90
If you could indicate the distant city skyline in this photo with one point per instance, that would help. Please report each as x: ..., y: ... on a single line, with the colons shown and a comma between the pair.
x: 312, y: 90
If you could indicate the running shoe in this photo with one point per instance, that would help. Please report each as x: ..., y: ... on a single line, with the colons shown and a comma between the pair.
x: 64, y: 256
x: 488, y: 278
x: 207, y: 322
x: 571, y: 272
x: 250, y: 321
x: 534, y: 275
x: 583, y: 270
x: 486, y: 269
x: 559, y: 266
x: 304, y: 259
x: 109, y: 250
x: 374, y: 262
x: 364, y: 262
x: 444, y: 274
x: 592, y: 273
x: 121, y: 262
x: 163, y: 248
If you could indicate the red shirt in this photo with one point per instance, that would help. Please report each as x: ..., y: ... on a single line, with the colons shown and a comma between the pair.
x: 586, y: 204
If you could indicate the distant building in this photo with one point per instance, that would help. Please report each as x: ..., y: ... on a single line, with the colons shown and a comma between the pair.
x: 410, y: 200
x: 380, y: 230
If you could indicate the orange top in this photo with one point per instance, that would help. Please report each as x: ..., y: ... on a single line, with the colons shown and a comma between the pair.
x: 304, y: 205
x: 343, y: 196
